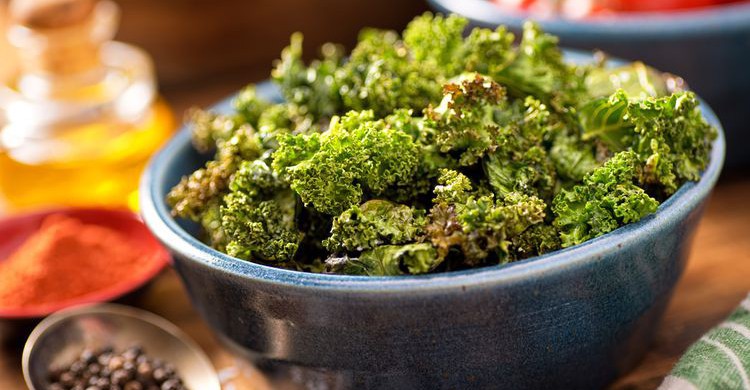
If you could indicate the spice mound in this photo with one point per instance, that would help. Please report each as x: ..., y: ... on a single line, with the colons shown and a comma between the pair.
x: 66, y: 259
x: 106, y: 368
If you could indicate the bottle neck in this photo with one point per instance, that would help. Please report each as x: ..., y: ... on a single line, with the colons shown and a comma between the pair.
x: 55, y: 61
x: 76, y: 89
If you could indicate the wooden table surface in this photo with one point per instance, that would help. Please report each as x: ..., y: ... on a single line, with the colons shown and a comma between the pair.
x: 715, y: 281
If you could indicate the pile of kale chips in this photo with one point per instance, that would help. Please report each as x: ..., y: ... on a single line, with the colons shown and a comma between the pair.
x: 430, y: 151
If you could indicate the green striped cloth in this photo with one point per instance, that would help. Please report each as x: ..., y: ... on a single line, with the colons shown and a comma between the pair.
x: 719, y: 360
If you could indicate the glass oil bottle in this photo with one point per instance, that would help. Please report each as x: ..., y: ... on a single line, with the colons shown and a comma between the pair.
x: 80, y: 116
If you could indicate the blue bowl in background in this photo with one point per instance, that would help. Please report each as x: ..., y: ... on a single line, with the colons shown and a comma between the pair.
x: 708, y: 47
x: 573, y: 319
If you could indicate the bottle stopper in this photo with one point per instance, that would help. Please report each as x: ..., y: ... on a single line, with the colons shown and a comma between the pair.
x: 50, y: 14
x: 60, y: 37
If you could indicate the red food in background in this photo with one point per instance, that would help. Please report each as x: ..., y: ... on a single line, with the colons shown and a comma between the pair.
x: 584, y: 8
x: 657, y: 5
x: 67, y: 259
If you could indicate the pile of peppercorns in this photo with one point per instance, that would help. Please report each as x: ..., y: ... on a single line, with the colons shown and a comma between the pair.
x: 105, y: 369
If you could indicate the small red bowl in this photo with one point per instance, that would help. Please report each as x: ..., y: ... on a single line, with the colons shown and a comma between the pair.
x: 15, y: 229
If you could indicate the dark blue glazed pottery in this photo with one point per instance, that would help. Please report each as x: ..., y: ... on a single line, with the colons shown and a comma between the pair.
x: 573, y: 319
x: 708, y: 47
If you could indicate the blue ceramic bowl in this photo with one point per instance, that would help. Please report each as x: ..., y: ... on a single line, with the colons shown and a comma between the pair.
x: 709, y: 47
x: 576, y: 318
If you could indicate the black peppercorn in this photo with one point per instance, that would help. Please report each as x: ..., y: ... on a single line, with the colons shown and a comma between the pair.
x: 77, y: 367
x: 94, y: 368
x: 160, y: 375
x: 128, y: 365
x: 120, y: 377
x: 87, y: 356
x: 132, y: 353
x: 115, y: 363
x: 171, y: 384
x: 145, y: 369
x: 103, y: 359
x: 107, y: 369
x: 133, y: 385
x: 67, y: 378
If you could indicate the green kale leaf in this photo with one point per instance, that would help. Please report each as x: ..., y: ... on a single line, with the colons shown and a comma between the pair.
x: 464, y: 122
x: 357, y: 155
x: 636, y: 79
x: 374, y: 223
x: 437, y: 40
x: 572, y: 157
x: 388, y: 260
x: 537, y: 240
x: 488, y: 52
x: 669, y: 135
x: 607, y: 199
x: 520, y: 162
x: 539, y: 70
x: 313, y: 88
x: 382, y: 76
x: 258, y: 216
x: 478, y: 227
x: 248, y: 106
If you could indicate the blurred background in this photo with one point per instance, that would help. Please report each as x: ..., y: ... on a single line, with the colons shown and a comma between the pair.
x: 204, y: 49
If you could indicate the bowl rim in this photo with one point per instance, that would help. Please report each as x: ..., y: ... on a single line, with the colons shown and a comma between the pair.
x: 158, y: 218
x: 698, y: 22
x: 160, y: 259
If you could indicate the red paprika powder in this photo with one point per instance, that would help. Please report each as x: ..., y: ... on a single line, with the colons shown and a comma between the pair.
x: 66, y: 259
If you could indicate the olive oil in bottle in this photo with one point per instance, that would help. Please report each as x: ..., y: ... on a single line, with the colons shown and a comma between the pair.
x: 80, y: 116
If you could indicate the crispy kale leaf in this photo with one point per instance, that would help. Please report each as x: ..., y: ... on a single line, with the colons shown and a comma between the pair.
x: 313, y: 88
x: 382, y: 76
x: 539, y: 70
x: 248, y: 106
x: 537, y: 240
x: 260, y: 231
x: 636, y: 79
x: 490, y: 224
x: 210, y: 221
x: 520, y: 162
x: 357, y: 155
x: 453, y: 188
x: 488, y: 52
x: 258, y: 215
x: 373, y: 223
x: 464, y: 122
x: 208, y: 129
x: 607, y: 199
x: 192, y: 195
x: 669, y: 136
x: 437, y: 40
x: 572, y: 157
x: 388, y: 260
x: 478, y: 227
x: 282, y: 119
